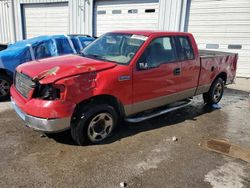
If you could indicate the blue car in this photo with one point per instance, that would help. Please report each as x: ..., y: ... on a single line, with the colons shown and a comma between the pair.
x: 35, y: 49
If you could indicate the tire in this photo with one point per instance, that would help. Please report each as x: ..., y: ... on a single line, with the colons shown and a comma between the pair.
x: 215, y: 93
x: 5, y: 83
x: 93, y: 124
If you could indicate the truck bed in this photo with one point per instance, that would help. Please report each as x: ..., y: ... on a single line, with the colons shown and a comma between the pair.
x: 213, y: 62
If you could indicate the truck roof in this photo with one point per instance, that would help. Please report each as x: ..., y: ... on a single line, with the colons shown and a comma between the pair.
x: 149, y: 32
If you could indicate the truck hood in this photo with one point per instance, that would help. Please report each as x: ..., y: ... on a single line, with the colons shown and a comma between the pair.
x: 52, y: 69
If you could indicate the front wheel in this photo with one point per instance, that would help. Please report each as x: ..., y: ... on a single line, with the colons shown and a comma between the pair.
x: 94, y: 124
x: 215, y: 93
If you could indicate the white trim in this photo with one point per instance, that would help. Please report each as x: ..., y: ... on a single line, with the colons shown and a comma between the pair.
x: 31, y: 52
x: 80, y: 44
x: 71, y: 44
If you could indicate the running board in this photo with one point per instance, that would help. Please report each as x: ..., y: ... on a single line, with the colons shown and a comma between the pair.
x: 137, y: 119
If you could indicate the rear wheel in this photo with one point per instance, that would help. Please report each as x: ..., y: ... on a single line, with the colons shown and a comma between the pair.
x: 93, y: 124
x: 215, y: 93
x: 5, y: 83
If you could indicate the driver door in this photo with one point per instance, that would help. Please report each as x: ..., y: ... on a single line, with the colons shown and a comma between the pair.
x: 157, y: 76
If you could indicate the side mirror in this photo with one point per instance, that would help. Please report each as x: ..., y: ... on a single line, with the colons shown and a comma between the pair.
x: 143, y: 66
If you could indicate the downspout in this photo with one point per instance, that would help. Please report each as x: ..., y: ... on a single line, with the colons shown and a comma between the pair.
x: 13, y: 28
x: 184, y: 16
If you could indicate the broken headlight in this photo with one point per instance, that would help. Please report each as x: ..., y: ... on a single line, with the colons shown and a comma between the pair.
x: 48, y: 92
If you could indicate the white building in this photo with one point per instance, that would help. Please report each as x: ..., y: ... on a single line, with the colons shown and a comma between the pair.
x: 216, y: 24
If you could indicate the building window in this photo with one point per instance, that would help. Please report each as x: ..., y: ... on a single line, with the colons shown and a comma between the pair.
x: 234, y: 46
x: 150, y: 10
x: 132, y: 11
x: 101, y: 12
x: 116, y: 11
x: 212, y: 46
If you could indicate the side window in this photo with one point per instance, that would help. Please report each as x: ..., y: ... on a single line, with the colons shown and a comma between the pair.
x: 184, y: 50
x: 63, y: 46
x: 133, y: 11
x: 86, y: 43
x: 26, y: 57
x: 42, y: 50
x: 101, y: 12
x: 76, y: 44
x: 116, y: 11
x: 159, y: 51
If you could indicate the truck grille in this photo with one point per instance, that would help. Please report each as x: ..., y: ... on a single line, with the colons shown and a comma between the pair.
x: 23, y: 84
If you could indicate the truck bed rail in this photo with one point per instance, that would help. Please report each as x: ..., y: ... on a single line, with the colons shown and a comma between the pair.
x: 211, y: 53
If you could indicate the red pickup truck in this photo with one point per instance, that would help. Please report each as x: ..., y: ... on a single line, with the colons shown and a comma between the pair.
x: 119, y: 76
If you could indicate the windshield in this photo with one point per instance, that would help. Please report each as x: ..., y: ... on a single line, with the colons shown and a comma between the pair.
x: 115, y: 47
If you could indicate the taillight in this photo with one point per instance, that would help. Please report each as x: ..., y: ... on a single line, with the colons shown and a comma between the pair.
x: 235, y: 62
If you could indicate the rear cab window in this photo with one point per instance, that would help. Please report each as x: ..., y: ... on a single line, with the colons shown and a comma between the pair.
x: 184, y: 48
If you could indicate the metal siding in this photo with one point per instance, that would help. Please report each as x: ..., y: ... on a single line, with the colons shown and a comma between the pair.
x: 140, y: 20
x: 75, y: 14
x: 88, y: 17
x: 41, y: 1
x: 172, y: 15
x: 223, y: 22
x: 5, y: 22
x: 81, y: 16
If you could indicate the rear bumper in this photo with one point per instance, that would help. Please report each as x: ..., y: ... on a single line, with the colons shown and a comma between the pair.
x: 41, y: 124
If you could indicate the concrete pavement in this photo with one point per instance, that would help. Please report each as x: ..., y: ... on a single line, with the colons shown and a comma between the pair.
x: 142, y: 155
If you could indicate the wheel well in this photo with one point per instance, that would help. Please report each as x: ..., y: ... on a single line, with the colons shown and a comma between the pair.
x: 223, y: 76
x: 5, y: 72
x: 107, y: 99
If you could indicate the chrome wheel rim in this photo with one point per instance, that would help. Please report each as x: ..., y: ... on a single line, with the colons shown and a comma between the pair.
x: 218, y: 92
x: 4, y: 88
x: 100, y: 127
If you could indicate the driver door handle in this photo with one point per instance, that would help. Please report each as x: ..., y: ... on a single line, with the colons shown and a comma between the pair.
x: 177, y: 71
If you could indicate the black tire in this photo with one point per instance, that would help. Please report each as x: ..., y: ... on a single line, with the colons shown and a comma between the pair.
x: 5, y: 81
x: 215, y: 93
x: 81, y: 124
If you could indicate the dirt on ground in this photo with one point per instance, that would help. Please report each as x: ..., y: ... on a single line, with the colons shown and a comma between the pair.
x: 140, y: 155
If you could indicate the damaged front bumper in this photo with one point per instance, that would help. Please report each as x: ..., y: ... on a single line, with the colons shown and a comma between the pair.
x: 41, y: 124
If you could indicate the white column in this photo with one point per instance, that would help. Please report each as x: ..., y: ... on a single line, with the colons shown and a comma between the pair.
x: 172, y: 15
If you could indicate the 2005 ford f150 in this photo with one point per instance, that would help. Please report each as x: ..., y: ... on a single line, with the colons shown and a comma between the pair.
x: 119, y: 76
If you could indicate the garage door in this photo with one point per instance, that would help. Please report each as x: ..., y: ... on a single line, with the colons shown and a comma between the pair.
x: 112, y: 15
x: 223, y: 25
x: 45, y: 19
